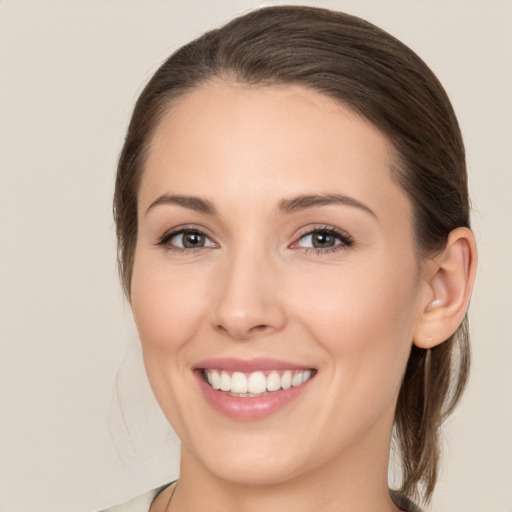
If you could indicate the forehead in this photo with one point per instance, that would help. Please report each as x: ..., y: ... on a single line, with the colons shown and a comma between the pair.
x: 258, y: 144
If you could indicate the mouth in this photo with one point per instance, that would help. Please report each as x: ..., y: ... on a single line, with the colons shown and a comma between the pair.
x: 257, y: 383
x: 253, y: 389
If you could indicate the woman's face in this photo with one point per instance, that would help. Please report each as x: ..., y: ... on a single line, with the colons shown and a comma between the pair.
x: 274, y: 247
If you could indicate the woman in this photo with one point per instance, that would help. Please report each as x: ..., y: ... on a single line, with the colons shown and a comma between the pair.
x: 293, y: 224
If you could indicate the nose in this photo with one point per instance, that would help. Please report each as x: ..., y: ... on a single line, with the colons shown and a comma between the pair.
x: 249, y: 300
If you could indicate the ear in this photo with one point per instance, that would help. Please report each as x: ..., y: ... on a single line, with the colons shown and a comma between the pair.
x: 448, y: 282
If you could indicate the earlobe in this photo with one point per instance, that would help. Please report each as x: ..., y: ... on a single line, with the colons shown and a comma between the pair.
x: 449, y: 283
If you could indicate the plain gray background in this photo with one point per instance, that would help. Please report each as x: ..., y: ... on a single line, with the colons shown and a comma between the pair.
x: 70, y: 72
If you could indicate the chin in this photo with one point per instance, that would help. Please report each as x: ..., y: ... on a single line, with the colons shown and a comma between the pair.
x: 255, y: 460
x: 255, y: 471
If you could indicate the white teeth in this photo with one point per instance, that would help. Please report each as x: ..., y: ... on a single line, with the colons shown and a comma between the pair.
x: 273, y: 381
x: 286, y: 380
x: 297, y: 379
x: 238, y: 383
x: 225, y: 382
x: 306, y: 375
x: 255, y: 383
x: 214, y: 379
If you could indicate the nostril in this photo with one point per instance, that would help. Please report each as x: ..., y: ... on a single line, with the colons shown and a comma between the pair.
x: 241, y: 332
x: 221, y: 328
x: 259, y: 328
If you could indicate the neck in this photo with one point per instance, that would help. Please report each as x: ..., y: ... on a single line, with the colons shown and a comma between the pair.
x: 353, y: 481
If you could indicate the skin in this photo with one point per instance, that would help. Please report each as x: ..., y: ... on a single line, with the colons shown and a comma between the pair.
x: 259, y: 289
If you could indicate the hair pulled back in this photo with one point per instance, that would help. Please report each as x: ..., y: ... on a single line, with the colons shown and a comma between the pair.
x: 371, y: 72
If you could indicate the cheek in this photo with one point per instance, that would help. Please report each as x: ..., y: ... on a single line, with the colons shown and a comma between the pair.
x: 166, y: 305
x: 364, y: 319
x: 355, y: 299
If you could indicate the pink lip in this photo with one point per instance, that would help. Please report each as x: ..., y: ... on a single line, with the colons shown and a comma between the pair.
x: 247, y: 366
x: 248, y: 408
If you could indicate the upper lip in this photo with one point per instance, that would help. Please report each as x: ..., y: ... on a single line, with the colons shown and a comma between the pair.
x: 248, y: 365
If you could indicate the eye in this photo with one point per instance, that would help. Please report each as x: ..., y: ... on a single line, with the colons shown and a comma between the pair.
x: 324, y: 239
x: 186, y: 239
x: 319, y: 240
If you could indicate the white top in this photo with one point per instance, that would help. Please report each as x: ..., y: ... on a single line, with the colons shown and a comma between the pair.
x: 138, y: 504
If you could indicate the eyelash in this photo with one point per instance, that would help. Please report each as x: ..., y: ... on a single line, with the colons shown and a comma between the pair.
x: 346, y: 240
x: 164, y: 240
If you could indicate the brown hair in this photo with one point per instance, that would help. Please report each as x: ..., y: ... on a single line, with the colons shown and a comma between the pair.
x: 379, y: 77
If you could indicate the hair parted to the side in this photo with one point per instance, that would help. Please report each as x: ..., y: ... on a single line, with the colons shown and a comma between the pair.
x: 380, y: 78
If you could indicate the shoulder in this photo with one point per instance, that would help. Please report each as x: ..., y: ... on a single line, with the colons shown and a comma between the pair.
x: 140, y: 503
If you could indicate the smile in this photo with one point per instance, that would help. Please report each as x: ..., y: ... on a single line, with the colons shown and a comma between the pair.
x: 257, y: 383
x: 248, y: 390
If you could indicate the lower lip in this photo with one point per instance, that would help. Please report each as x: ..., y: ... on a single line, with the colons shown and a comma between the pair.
x: 249, y: 408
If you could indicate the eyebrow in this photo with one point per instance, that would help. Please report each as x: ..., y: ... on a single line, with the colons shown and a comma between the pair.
x: 286, y: 206
x: 311, y: 201
x: 193, y: 203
